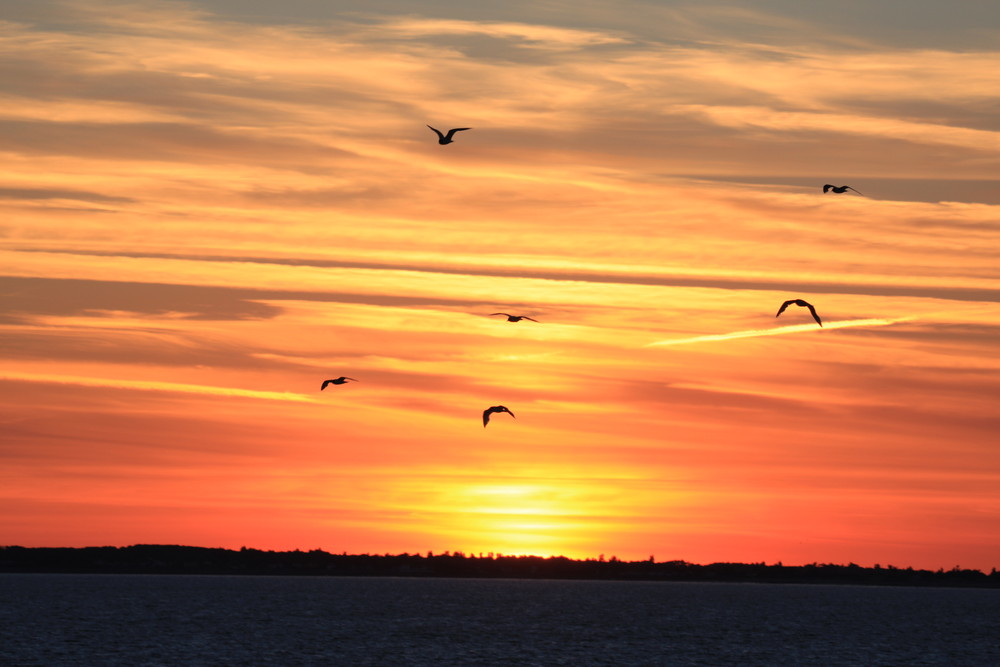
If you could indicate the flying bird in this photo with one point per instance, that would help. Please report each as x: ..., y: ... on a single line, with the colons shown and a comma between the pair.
x: 514, y: 318
x: 804, y: 304
x: 496, y: 408
x: 340, y: 380
x: 838, y: 189
x: 447, y: 138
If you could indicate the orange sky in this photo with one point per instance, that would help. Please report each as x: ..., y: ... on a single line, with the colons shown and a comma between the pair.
x: 207, y: 213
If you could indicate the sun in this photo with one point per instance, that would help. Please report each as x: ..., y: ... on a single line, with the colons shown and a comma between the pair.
x: 530, y: 518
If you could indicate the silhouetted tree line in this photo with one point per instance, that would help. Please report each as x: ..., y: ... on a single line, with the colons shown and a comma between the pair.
x: 172, y: 559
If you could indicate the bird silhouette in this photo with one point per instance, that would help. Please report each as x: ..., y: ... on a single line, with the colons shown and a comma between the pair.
x: 496, y: 408
x: 447, y: 138
x: 340, y: 380
x: 804, y: 304
x: 514, y: 318
x: 838, y: 189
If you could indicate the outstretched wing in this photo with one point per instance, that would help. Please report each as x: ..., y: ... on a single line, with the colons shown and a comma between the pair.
x: 452, y: 131
x: 509, y: 412
x: 486, y: 416
x: 783, y: 306
x: 438, y: 132
x: 850, y: 188
x: 352, y: 379
x: 826, y: 188
x: 325, y: 382
x: 815, y: 316
x: 504, y: 314
x: 525, y: 317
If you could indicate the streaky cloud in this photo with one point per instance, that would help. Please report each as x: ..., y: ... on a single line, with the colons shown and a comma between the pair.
x: 531, y: 35
x: 151, y: 385
x: 60, y: 193
x: 778, y: 331
x: 924, y: 132
x: 676, y: 277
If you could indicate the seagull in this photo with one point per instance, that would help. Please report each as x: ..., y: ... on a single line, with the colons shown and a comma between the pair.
x: 447, y: 138
x: 804, y: 304
x: 340, y: 380
x: 495, y: 408
x: 839, y: 190
x: 514, y: 318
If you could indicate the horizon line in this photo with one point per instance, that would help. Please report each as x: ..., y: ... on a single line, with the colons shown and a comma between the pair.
x: 497, y: 555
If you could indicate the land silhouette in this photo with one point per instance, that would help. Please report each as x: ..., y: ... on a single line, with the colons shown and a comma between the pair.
x: 175, y: 559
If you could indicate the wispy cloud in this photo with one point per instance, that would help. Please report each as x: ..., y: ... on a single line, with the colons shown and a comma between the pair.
x: 781, y: 331
x: 152, y: 385
x: 530, y: 35
x: 838, y: 123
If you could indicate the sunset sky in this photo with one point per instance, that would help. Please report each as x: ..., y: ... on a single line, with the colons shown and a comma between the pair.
x: 210, y: 207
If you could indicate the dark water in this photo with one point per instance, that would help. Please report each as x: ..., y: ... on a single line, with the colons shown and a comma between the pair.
x: 236, y: 620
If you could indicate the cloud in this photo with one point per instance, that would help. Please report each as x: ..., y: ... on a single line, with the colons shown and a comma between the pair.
x: 55, y: 193
x: 794, y: 121
x: 177, y: 84
x: 523, y: 267
x: 152, y: 385
x: 32, y: 296
x: 140, y: 343
x: 29, y: 297
x: 780, y: 331
x: 532, y: 36
x: 173, y: 142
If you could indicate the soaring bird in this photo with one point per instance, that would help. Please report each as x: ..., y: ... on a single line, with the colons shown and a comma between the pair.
x: 838, y: 189
x: 447, y: 138
x: 804, y: 304
x: 340, y: 380
x: 514, y: 318
x: 496, y: 408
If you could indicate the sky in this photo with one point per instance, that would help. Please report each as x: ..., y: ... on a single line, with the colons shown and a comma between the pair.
x: 210, y: 207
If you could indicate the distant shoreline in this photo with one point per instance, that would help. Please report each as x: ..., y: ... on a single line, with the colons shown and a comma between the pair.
x: 174, y: 559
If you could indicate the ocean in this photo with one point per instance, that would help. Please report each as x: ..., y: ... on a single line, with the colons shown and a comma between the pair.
x: 71, y: 619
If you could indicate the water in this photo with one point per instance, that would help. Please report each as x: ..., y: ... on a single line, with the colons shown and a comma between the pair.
x: 344, y: 621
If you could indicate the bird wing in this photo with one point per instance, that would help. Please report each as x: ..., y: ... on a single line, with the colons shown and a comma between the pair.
x: 504, y: 314
x: 815, y: 316
x: 826, y: 188
x: 525, y: 317
x: 325, y: 382
x: 438, y: 132
x: 486, y: 417
x: 850, y: 188
x: 452, y: 131
x: 509, y: 412
x: 783, y: 306
x: 347, y: 378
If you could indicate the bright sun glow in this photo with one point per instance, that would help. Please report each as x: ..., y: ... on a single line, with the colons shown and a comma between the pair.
x: 516, y: 519
x: 514, y: 499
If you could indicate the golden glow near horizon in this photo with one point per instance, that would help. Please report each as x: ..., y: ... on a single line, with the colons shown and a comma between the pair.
x: 207, y: 213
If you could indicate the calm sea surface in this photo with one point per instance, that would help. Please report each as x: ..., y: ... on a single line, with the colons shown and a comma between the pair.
x: 244, y: 620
